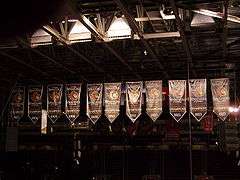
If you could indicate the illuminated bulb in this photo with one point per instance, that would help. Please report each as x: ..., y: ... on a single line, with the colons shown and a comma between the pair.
x: 233, y: 109
x: 230, y: 109
x: 145, y: 52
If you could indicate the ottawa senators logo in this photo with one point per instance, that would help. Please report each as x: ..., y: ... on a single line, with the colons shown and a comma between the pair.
x: 94, y: 95
x: 73, y: 96
x: 55, y: 96
x: 35, y: 96
x: 18, y: 98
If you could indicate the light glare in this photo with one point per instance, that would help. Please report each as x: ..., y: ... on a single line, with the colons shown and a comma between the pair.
x: 119, y: 29
x: 233, y: 109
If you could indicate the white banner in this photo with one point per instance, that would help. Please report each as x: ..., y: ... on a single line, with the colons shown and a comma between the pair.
x: 17, y: 102
x: 198, y: 97
x: 134, y: 100
x: 94, y: 101
x: 35, y: 103
x: 112, y: 98
x: 220, y: 94
x: 177, y: 98
x: 54, y: 101
x: 153, y: 99
x: 72, y: 101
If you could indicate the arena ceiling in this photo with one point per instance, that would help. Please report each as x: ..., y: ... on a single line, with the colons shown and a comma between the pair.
x: 160, y: 47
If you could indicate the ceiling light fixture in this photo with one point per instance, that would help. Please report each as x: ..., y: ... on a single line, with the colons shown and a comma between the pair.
x: 40, y: 37
x: 79, y: 33
x: 119, y: 29
x: 201, y: 20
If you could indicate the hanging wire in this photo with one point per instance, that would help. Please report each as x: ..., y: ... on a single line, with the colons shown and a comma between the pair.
x: 104, y: 165
x: 235, y: 92
x: 190, y: 127
x: 123, y: 162
x: 162, y: 164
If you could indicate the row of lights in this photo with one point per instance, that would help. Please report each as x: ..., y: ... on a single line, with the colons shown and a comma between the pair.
x: 119, y: 29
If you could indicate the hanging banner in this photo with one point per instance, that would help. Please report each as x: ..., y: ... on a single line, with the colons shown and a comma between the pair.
x: 94, y: 101
x: 35, y: 103
x: 153, y: 99
x: 198, y: 98
x: 72, y: 101
x: 220, y: 94
x: 112, y: 99
x: 17, y: 103
x: 54, y: 100
x: 133, y: 100
x: 177, y: 98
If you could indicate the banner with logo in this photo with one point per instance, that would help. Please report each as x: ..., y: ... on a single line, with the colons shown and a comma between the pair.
x: 198, y: 98
x: 54, y: 101
x: 35, y: 103
x: 134, y: 100
x: 112, y: 98
x: 94, y: 101
x: 177, y: 98
x: 17, y: 103
x: 220, y: 94
x: 153, y: 99
x: 72, y: 101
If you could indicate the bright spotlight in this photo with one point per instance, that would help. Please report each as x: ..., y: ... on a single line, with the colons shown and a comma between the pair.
x: 233, y: 109
x: 230, y: 109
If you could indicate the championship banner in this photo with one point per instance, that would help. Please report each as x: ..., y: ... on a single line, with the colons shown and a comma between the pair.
x: 54, y: 100
x: 17, y: 103
x: 94, y: 101
x: 177, y: 98
x: 220, y: 94
x: 72, y: 101
x: 35, y: 103
x: 153, y: 99
x: 133, y: 100
x: 112, y: 98
x: 198, y: 98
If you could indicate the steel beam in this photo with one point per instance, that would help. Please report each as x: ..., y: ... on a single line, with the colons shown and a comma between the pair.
x: 123, y: 61
x: 180, y: 26
x: 49, y: 58
x: 143, y: 19
x: 134, y: 26
x: 225, y: 29
x: 158, y: 35
x: 10, y: 74
x: 33, y: 68
x: 53, y: 32
x: 218, y: 15
x: 101, y: 37
x: 88, y: 24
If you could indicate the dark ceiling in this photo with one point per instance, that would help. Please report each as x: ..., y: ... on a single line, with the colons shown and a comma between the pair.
x: 209, y: 51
